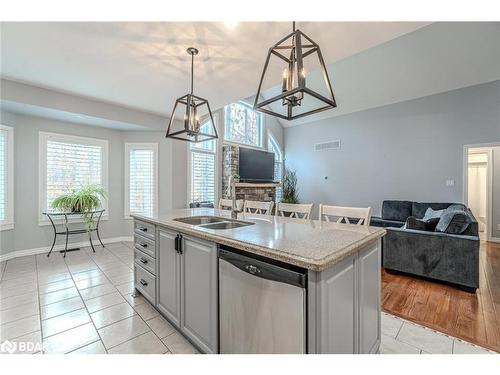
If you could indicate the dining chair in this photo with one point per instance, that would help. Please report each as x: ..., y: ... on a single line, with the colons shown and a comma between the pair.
x: 256, y: 207
x: 299, y: 211
x: 226, y: 204
x: 345, y: 214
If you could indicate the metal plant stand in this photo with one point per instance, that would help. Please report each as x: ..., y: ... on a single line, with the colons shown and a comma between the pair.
x: 67, y: 231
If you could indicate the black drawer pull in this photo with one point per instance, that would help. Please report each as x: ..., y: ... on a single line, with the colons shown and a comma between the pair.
x: 143, y: 261
x: 142, y: 244
x: 144, y: 229
x: 143, y: 282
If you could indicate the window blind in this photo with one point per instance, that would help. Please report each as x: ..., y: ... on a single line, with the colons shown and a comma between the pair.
x: 72, y: 166
x: 202, y: 176
x: 3, y: 174
x: 141, y: 181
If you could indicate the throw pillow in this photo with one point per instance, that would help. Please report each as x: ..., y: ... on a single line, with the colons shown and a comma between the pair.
x: 453, y: 222
x: 432, y: 214
x: 418, y: 224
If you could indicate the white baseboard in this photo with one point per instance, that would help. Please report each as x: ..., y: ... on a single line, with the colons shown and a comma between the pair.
x: 45, y: 249
x: 494, y: 239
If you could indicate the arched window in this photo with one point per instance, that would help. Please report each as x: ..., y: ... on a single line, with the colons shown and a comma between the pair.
x: 243, y: 124
x: 273, y: 147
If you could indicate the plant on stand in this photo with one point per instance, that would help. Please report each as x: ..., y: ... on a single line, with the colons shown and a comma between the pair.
x: 290, y: 190
x: 83, y: 201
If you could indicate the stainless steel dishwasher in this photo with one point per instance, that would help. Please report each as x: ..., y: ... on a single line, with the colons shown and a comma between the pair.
x: 262, y: 304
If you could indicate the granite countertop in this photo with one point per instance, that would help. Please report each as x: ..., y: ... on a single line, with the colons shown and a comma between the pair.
x: 311, y: 244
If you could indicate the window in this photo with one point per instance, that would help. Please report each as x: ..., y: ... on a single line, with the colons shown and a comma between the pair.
x: 273, y: 147
x: 141, y: 178
x: 243, y: 124
x: 69, y: 162
x: 6, y: 177
x: 202, y: 169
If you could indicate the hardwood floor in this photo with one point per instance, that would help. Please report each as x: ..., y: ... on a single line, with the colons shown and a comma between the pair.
x: 472, y: 317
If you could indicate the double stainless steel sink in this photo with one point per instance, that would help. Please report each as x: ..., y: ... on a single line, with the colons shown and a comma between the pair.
x: 213, y: 222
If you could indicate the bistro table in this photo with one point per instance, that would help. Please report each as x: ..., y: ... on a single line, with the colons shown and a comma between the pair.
x: 93, y: 228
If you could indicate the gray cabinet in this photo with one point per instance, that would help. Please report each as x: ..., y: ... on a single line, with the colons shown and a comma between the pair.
x: 344, y: 305
x: 369, y: 300
x: 169, y: 270
x: 336, y: 306
x: 199, y: 293
x: 187, y: 287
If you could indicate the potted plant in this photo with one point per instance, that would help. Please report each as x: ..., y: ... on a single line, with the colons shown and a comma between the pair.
x: 290, y: 190
x: 82, y: 201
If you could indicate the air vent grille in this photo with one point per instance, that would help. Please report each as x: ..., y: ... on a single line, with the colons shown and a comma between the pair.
x: 331, y: 145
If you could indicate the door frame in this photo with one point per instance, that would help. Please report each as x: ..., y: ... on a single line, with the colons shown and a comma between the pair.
x: 488, y: 148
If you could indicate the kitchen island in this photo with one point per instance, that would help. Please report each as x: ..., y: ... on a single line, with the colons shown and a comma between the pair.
x: 200, y: 269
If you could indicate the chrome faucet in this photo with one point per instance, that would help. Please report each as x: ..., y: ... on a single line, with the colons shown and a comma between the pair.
x: 232, y: 192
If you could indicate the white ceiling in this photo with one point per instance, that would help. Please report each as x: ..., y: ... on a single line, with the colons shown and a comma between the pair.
x: 144, y: 65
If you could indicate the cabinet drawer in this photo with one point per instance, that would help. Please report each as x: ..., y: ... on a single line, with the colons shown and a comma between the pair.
x: 145, y: 261
x: 144, y: 244
x: 144, y: 229
x: 145, y: 283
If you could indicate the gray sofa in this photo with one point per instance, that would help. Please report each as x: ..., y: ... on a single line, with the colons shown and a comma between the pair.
x: 428, y: 252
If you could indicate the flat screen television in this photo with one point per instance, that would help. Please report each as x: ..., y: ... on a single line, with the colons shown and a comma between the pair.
x: 255, y: 165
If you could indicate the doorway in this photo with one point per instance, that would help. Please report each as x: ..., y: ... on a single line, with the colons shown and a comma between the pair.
x: 478, y: 186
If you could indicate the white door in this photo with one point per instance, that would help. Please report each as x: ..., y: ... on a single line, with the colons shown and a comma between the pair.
x: 477, y: 188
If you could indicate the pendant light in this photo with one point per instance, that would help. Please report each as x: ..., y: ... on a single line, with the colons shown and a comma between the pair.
x: 189, y: 107
x: 290, y: 98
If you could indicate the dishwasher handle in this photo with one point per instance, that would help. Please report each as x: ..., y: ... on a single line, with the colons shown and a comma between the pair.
x: 263, y: 269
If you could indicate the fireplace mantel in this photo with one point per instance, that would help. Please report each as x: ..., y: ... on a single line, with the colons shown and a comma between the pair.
x: 257, y: 184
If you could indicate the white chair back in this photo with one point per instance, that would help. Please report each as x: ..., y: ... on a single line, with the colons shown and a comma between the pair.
x: 345, y: 214
x: 226, y: 204
x: 299, y: 211
x: 255, y: 207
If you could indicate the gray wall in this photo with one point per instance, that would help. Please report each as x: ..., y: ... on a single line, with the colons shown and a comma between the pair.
x: 27, y: 234
x: 402, y: 151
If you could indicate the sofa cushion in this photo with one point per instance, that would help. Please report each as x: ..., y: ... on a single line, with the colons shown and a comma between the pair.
x: 418, y: 208
x: 396, y: 210
x: 417, y: 224
x: 454, y: 220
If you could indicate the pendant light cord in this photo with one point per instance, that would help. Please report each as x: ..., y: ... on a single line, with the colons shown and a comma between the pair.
x: 293, y: 23
x: 192, y: 69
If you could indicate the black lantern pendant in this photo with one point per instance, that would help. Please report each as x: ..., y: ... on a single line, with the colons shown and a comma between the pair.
x: 291, y: 99
x: 191, y: 129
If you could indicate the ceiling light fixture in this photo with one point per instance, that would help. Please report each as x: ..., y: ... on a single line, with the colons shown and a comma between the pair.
x: 231, y: 24
x: 191, y: 130
x: 295, y: 99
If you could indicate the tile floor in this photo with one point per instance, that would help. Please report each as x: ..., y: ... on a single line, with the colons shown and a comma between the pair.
x: 400, y: 336
x: 83, y: 304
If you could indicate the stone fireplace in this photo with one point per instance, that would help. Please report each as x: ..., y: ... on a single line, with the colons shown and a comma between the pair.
x: 263, y: 192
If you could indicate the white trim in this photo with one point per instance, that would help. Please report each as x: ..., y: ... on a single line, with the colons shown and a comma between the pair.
x: 8, y: 223
x: 494, y: 239
x: 144, y: 146
x: 45, y: 249
x: 488, y: 148
x: 43, y: 137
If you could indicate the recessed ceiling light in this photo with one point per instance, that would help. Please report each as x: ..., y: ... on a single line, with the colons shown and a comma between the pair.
x: 231, y: 24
